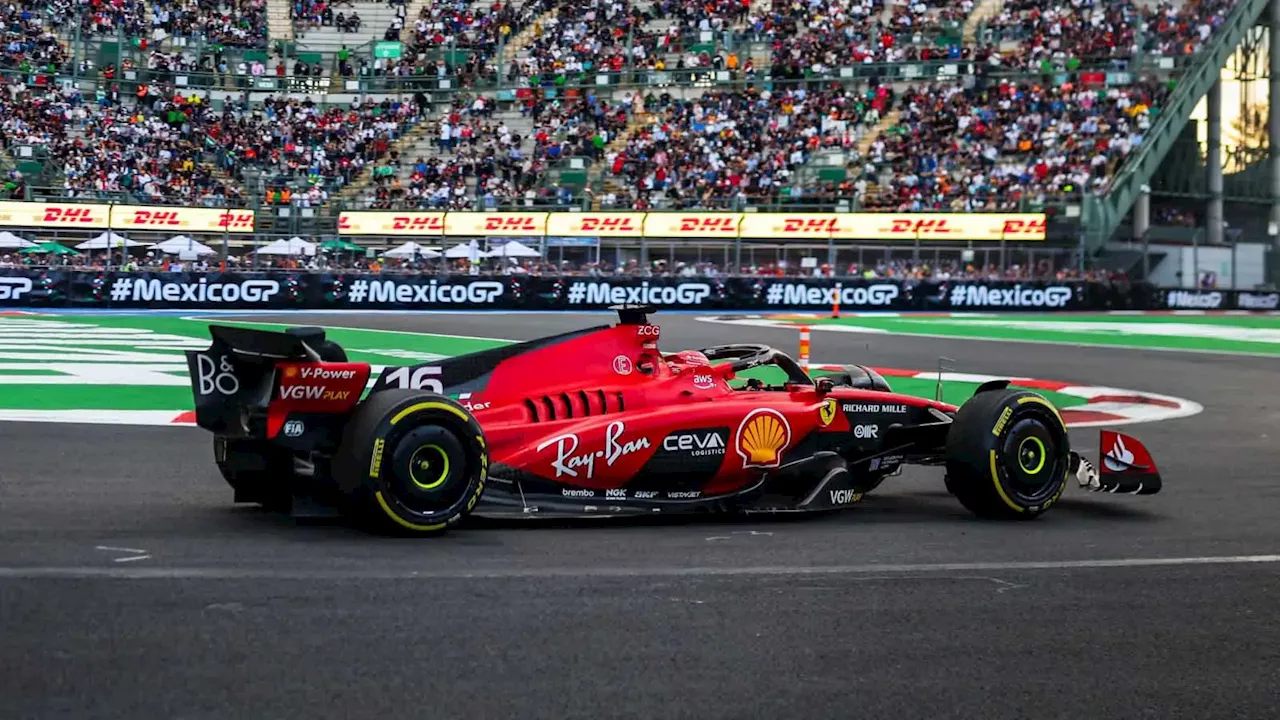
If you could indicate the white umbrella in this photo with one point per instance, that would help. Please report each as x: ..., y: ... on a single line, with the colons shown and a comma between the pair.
x: 9, y: 240
x: 513, y: 249
x: 183, y: 243
x: 471, y: 251
x: 411, y: 249
x: 107, y: 240
x: 292, y: 246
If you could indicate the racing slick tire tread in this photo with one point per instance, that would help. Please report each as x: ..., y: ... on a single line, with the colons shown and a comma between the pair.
x: 987, y: 469
x: 390, y: 436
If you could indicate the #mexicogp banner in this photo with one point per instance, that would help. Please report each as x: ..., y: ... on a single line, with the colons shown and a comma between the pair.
x: 962, y: 227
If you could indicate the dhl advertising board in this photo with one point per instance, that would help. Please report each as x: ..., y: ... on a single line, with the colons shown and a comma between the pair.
x: 390, y: 223
x: 507, y: 224
x: 54, y: 215
x: 181, y: 219
x: 963, y: 227
x: 618, y: 224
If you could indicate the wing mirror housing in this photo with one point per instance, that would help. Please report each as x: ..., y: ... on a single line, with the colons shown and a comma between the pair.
x: 823, y: 385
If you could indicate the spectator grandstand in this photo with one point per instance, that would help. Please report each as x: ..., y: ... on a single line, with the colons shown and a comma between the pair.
x: 493, y: 103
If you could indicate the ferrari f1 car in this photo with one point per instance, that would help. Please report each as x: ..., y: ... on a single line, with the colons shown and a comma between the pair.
x: 600, y: 422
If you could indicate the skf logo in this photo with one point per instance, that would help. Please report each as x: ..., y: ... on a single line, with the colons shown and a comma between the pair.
x: 1035, y: 228
x: 709, y: 225
x: 431, y: 223
x: 906, y: 226
x: 762, y: 437
x: 809, y: 226
x: 608, y: 224
x: 517, y: 223
x: 234, y: 220
x: 153, y: 218
x: 827, y: 412
x: 68, y: 215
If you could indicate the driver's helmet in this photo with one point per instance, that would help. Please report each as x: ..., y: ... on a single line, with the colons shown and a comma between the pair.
x: 689, y: 357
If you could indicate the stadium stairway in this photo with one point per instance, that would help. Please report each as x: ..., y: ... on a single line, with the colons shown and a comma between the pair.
x: 522, y: 40
x: 279, y: 24
x: 1103, y: 216
x: 595, y: 173
x: 985, y: 11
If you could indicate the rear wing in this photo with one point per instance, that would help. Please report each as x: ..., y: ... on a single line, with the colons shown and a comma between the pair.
x: 232, y: 381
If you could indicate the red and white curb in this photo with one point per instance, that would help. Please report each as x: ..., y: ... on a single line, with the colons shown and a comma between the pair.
x: 1103, y: 405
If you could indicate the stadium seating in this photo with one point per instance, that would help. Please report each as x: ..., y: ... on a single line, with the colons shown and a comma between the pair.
x: 977, y: 139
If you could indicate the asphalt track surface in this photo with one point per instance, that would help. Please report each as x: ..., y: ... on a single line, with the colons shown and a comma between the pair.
x: 904, y: 607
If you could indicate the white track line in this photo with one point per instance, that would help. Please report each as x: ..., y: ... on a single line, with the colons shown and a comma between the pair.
x: 872, y: 569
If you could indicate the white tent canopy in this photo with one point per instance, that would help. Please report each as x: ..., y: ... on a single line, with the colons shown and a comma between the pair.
x: 182, y: 243
x: 107, y: 240
x: 513, y: 249
x: 9, y: 240
x: 292, y: 246
x: 470, y: 250
x: 412, y: 249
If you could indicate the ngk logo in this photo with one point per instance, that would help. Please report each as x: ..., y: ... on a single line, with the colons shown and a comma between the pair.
x: 433, y: 223
x: 153, y: 218
x: 234, y: 220
x: 618, y: 224
x: 709, y: 225
x: 517, y: 223
x: 809, y: 226
x: 68, y: 215
x: 906, y: 226
x: 1024, y: 227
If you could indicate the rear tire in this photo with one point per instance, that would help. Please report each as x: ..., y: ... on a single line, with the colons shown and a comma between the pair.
x: 411, y: 462
x: 1008, y: 455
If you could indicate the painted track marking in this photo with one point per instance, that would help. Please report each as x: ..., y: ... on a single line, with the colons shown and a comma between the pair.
x: 896, y: 569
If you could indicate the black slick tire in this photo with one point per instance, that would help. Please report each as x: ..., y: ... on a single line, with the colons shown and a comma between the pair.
x: 410, y: 462
x: 1008, y: 455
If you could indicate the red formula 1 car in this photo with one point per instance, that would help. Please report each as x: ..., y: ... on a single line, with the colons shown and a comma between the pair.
x: 600, y: 422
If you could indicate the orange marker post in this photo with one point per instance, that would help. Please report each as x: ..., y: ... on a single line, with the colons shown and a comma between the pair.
x: 804, y: 348
x: 835, y: 305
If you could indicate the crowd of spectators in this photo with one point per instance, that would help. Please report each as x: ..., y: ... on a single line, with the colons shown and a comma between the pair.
x: 976, y: 142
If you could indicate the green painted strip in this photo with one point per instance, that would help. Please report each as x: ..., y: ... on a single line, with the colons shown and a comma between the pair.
x: 1258, y: 335
x: 953, y: 392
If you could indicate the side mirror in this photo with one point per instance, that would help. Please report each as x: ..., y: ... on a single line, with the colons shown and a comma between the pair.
x: 823, y: 385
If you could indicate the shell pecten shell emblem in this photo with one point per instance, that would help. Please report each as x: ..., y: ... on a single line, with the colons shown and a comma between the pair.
x: 762, y: 437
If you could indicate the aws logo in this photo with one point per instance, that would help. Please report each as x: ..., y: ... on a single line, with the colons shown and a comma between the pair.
x: 762, y: 438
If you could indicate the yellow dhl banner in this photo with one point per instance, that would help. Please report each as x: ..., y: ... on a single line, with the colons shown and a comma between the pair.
x: 54, y: 215
x: 181, y: 219
x: 962, y: 227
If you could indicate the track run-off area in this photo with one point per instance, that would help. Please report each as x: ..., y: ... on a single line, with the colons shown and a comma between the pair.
x: 133, y: 587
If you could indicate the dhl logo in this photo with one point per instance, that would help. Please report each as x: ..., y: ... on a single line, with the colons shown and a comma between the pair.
x: 511, y: 224
x: 69, y: 215
x: 344, y: 222
x: 712, y: 224
x: 408, y: 222
x: 805, y: 226
x: 905, y: 226
x: 153, y: 218
x: 618, y: 224
x: 236, y: 220
x: 1024, y: 227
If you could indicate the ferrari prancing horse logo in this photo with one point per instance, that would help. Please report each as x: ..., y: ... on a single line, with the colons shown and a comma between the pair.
x: 827, y: 411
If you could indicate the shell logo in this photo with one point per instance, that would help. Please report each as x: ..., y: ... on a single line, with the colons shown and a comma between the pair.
x: 762, y: 437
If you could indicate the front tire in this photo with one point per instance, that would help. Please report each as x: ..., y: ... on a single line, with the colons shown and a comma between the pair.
x: 1008, y: 455
x: 411, y: 462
